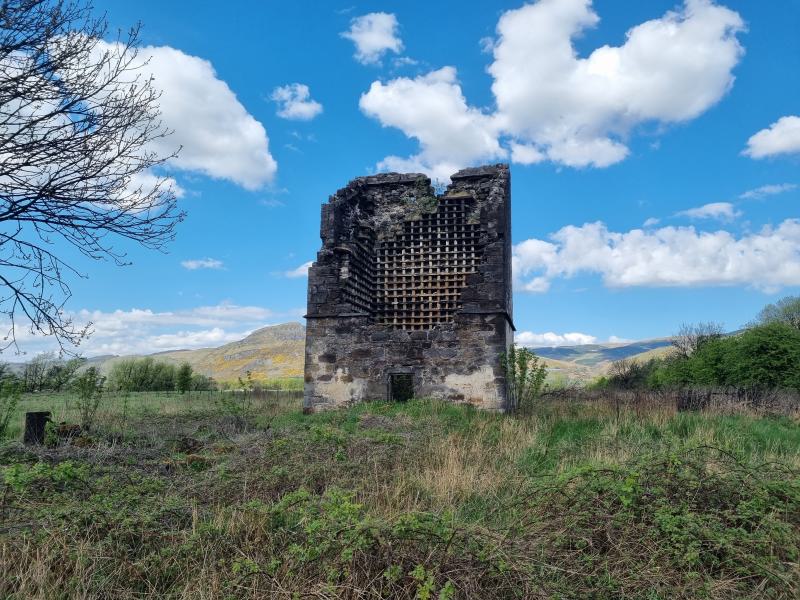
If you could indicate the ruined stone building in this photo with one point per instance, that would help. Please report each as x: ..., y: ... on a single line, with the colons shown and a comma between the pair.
x: 410, y: 294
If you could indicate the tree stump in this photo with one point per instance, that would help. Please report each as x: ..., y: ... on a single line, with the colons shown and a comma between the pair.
x: 35, y: 423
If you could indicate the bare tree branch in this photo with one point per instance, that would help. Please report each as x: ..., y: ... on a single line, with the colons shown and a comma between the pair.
x: 78, y: 118
x: 690, y: 337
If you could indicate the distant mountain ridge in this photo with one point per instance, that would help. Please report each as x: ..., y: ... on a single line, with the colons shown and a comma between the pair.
x: 585, y: 362
x: 593, y: 354
x: 277, y: 351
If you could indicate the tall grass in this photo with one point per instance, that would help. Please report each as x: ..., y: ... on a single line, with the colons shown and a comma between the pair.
x: 117, y: 408
x: 589, y: 499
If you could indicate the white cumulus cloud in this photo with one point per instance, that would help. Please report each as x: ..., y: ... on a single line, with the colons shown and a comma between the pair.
x: 782, y: 137
x: 144, y: 181
x: 723, y: 211
x: 216, y: 134
x: 553, y: 104
x: 550, y: 339
x: 432, y: 109
x: 301, y: 271
x: 202, y: 263
x: 526, y: 154
x: 578, y: 110
x: 144, y: 331
x: 295, y: 102
x: 374, y: 34
x: 768, y: 259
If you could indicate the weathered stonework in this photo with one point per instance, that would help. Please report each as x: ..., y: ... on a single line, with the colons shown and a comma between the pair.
x: 412, y: 283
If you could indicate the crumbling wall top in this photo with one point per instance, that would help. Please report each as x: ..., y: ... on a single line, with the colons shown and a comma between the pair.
x: 482, y: 171
x: 388, y: 178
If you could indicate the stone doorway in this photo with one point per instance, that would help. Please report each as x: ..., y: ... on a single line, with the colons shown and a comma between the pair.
x: 401, y: 387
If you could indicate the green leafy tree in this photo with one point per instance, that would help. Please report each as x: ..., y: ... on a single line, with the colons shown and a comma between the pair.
x: 121, y: 376
x: 525, y: 376
x: 162, y: 376
x: 767, y: 356
x: 202, y: 383
x: 183, y: 378
x: 60, y: 375
x: 142, y: 375
x: 89, y: 388
x: 712, y: 363
x: 764, y: 356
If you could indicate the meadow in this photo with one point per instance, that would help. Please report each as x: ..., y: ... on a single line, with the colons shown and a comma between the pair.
x: 213, y: 495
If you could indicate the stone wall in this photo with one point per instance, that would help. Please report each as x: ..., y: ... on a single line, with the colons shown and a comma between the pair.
x: 410, y: 282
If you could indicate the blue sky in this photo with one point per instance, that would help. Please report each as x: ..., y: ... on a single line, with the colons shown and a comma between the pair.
x: 655, y: 152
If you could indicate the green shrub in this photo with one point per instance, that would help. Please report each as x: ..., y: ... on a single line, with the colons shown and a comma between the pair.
x: 627, y: 374
x: 142, y: 375
x: 525, y: 376
x: 26, y: 479
x: 9, y: 398
x: 768, y: 355
x: 765, y: 356
x: 89, y: 388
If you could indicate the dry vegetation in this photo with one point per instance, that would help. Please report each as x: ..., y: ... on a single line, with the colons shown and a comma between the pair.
x: 577, y: 499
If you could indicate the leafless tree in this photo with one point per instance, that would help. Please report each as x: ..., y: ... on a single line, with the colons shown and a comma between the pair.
x: 690, y: 337
x: 621, y: 369
x: 34, y: 374
x: 786, y: 310
x: 78, y: 120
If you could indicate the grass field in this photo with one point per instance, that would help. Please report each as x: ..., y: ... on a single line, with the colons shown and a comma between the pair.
x: 199, y: 497
x: 118, y: 410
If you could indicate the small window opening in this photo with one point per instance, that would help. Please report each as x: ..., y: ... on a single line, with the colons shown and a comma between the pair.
x: 401, y: 387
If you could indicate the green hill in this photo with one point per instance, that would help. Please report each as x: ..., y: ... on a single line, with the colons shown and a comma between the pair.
x: 585, y: 362
x: 277, y: 351
x: 271, y: 352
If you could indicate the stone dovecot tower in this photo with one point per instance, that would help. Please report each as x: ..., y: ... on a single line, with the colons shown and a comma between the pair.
x: 410, y: 295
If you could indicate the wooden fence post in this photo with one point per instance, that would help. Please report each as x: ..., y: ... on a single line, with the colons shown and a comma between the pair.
x: 35, y: 423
